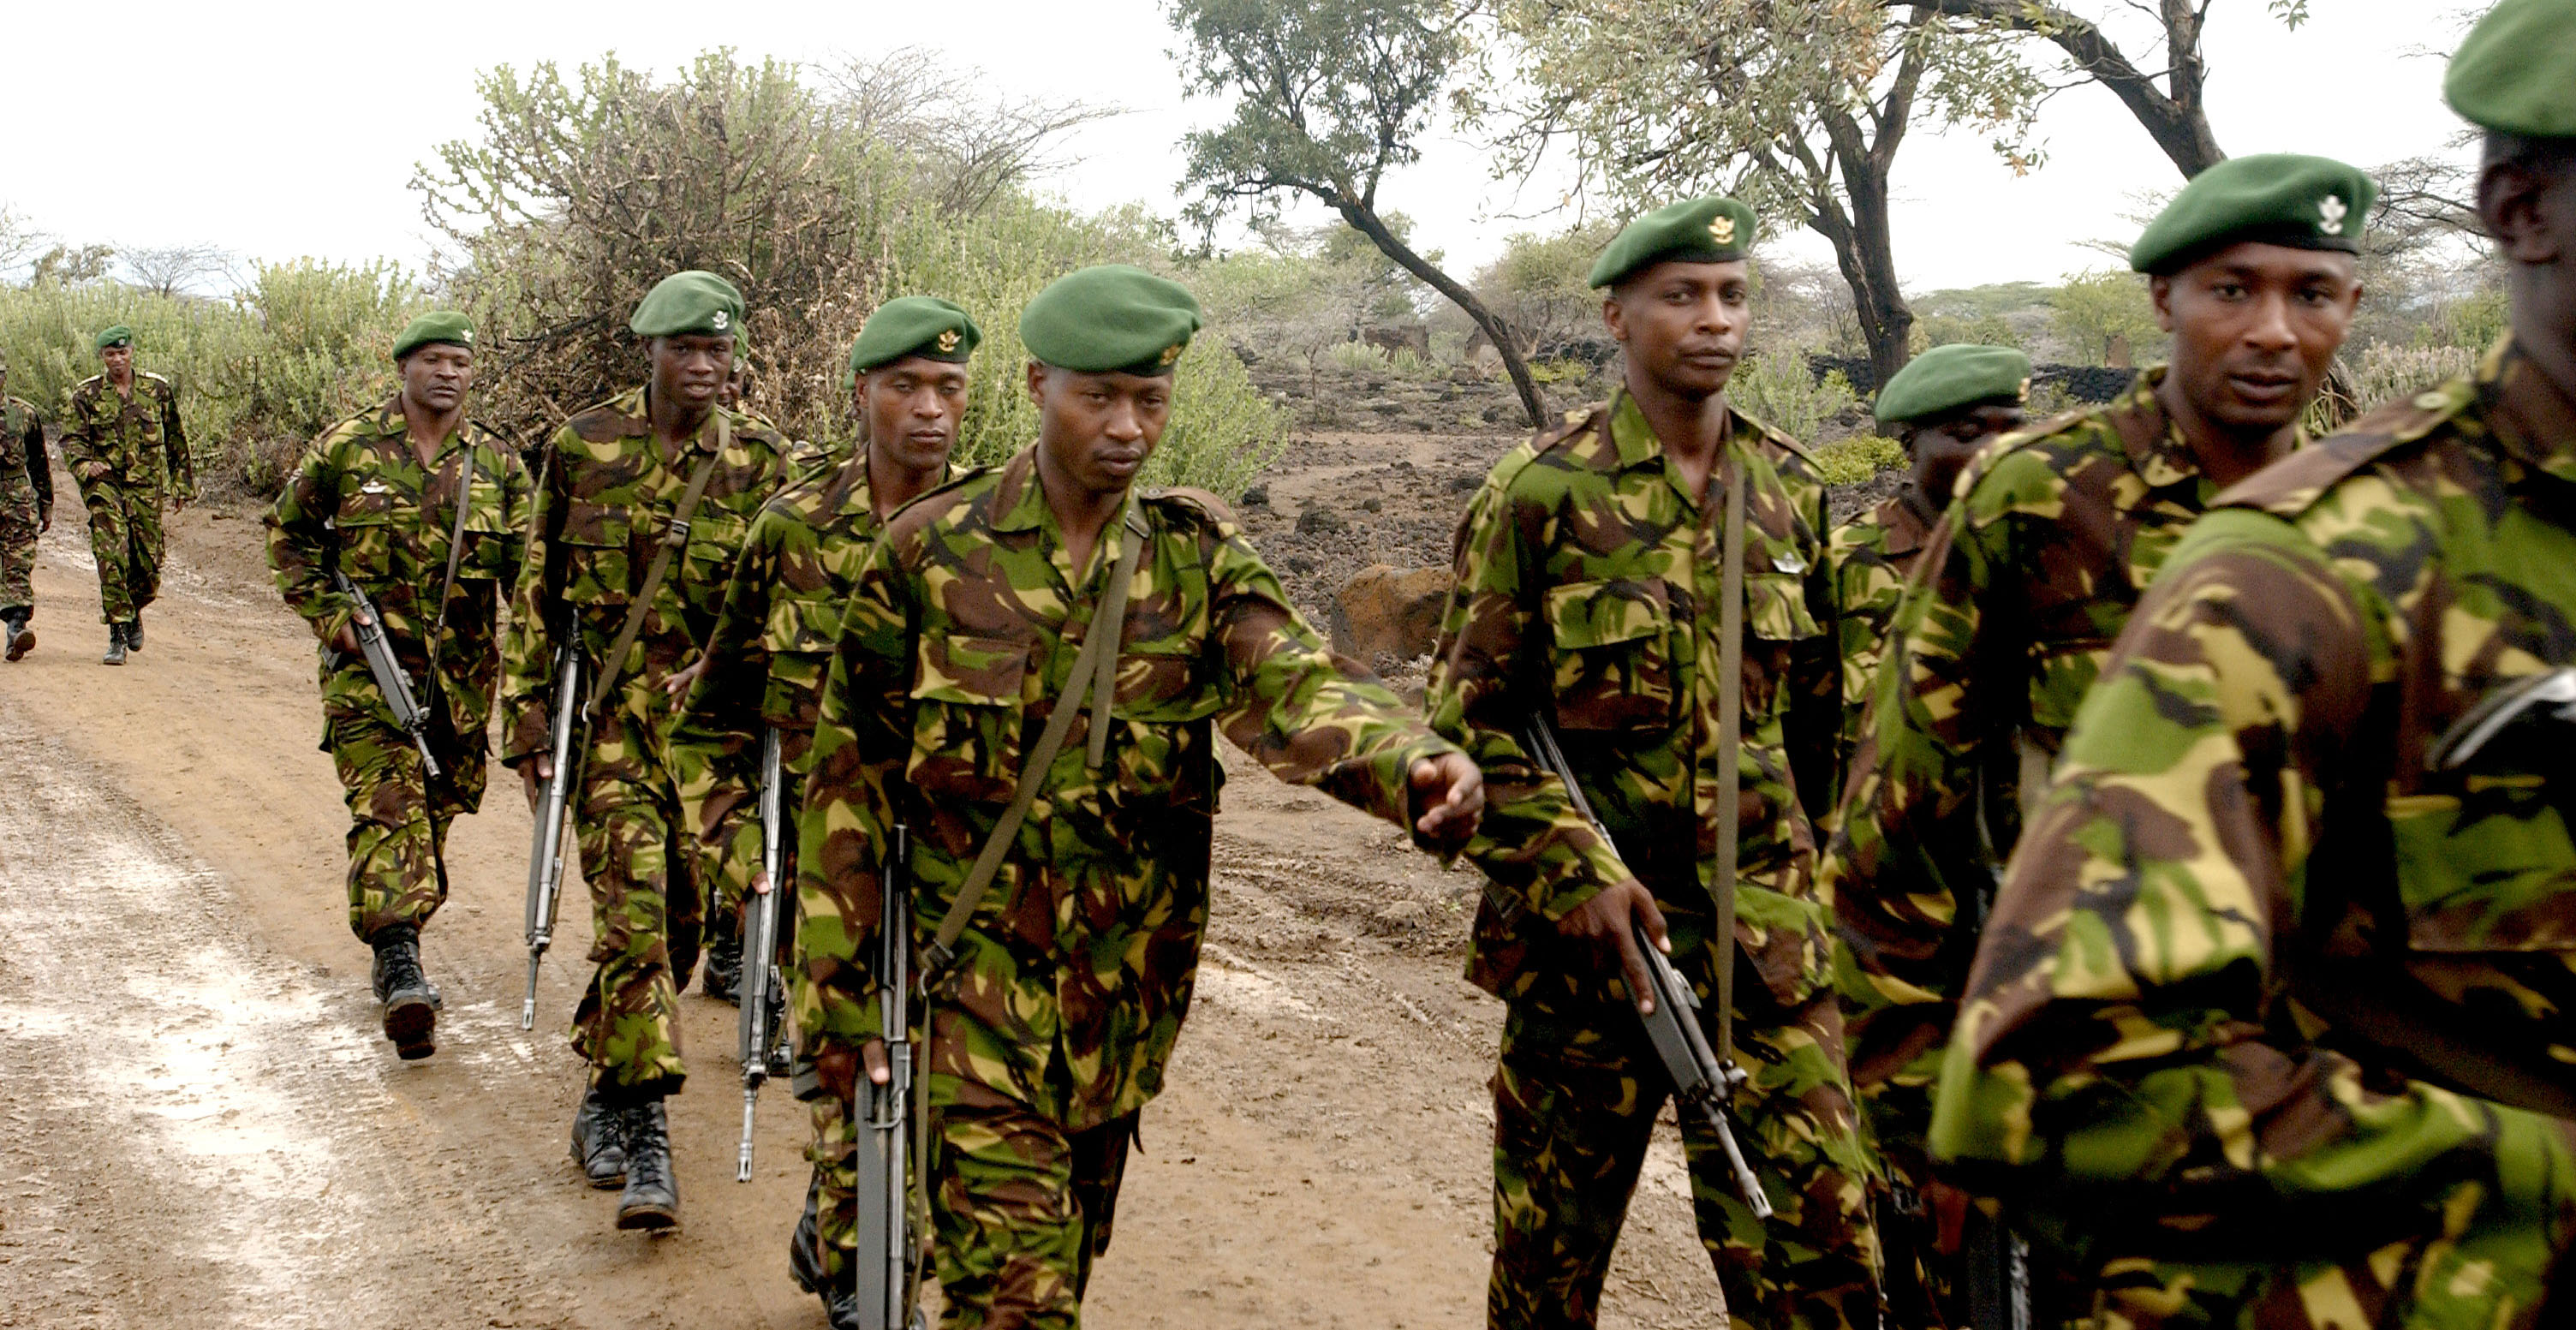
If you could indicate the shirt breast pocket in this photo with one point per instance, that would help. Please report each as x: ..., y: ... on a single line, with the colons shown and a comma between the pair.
x: 798, y: 626
x: 491, y: 547
x: 365, y: 530
x: 598, y: 554
x: 1613, y: 657
x: 966, y: 718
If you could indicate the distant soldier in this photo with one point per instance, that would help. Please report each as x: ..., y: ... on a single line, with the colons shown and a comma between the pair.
x: 420, y: 509
x: 1059, y: 781
x: 643, y: 506
x: 2034, y: 570
x: 26, y: 512
x: 772, y: 647
x: 2271, y: 1024
x: 125, y: 449
x: 1592, y: 589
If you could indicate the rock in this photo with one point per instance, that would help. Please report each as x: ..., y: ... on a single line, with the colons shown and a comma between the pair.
x: 1402, y: 912
x: 1256, y: 496
x: 1317, y: 520
x: 1383, y: 609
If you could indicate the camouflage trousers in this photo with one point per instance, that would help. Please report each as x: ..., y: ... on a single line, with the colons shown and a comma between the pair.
x: 398, y: 817
x: 1576, y: 1094
x: 125, y: 538
x: 645, y: 913
x: 834, y: 1153
x: 19, y: 528
x: 1020, y: 1208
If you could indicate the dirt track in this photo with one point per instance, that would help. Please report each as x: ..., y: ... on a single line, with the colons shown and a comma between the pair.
x: 203, y: 1124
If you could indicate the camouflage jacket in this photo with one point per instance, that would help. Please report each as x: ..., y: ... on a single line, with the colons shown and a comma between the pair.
x: 605, y: 502
x: 1873, y: 555
x: 1588, y: 590
x: 2025, y: 582
x: 1071, y: 981
x: 2245, y: 850
x: 132, y: 439
x: 362, y: 499
x: 22, y: 422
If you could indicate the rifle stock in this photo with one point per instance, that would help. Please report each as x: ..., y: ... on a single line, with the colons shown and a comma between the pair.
x: 758, y: 1032
x: 378, y: 651
x: 553, y: 840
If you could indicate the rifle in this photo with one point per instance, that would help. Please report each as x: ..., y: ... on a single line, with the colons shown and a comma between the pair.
x: 546, y: 859
x: 760, y: 1032
x: 1700, y: 1081
x: 378, y: 650
x: 888, y: 1283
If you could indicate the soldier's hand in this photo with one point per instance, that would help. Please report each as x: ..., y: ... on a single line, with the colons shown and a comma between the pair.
x: 534, y: 773
x: 44, y: 521
x: 1451, y: 792
x: 873, y: 1053
x: 1613, y: 918
x: 345, y: 639
x: 677, y: 683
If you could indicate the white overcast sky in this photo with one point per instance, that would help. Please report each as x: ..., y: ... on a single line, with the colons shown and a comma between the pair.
x: 278, y: 130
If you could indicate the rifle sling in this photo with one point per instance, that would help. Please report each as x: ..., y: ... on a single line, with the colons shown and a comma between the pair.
x: 1094, y: 677
x: 447, y: 585
x: 1730, y: 742
x: 673, y: 539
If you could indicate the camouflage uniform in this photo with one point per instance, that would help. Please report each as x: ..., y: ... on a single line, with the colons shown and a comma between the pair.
x: 1587, y: 585
x: 1873, y: 555
x: 770, y: 651
x: 603, y: 506
x: 2247, y: 873
x: 26, y: 501
x: 129, y: 456
x: 1055, y: 1023
x: 362, y: 499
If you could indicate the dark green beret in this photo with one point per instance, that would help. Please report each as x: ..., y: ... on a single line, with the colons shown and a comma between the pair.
x: 1947, y: 378
x: 2517, y: 71
x: 689, y: 302
x: 1110, y: 318
x: 914, y: 326
x: 120, y: 335
x: 1709, y: 230
x: 2274, y: 199
x: 438, y: 325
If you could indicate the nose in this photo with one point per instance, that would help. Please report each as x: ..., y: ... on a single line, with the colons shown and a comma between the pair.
x: 2269, y: 329
x: 1123, y: 423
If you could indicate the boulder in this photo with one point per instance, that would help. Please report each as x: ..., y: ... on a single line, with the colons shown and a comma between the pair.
x: 1389, y: 610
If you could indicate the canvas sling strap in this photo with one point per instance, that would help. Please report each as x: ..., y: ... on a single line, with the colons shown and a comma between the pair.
x: 674, y: 538
x: 1094, y: 677
x: 1730, y: 742
x: 447, y: 584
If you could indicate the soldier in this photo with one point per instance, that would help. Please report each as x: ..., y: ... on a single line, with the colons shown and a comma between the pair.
x: 2278, y: 975
x: 639, y: 515
x: 125, y: 449
x: 420, y: 509
x: 1054, y: 1000
x: 26, y: 512
x: 2033, y: 571
x: 766, y: 661
x: 1591, y: 590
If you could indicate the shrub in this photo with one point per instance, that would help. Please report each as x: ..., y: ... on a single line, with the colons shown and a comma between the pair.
x: 1776, y: 389
x: 1853, y: 460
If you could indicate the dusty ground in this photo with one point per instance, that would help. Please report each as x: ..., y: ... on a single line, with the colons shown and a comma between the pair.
x: 204, y: 1126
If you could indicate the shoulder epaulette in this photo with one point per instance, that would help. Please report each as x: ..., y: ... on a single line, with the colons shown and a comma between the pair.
x: 1206, y: 505
x: 1771, y: 435
x: 2289, y: 486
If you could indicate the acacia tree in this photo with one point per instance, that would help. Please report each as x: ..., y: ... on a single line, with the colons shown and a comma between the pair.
x: 1328, y: 96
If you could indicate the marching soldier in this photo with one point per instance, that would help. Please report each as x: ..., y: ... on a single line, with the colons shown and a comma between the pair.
x: 2270, y: 1026
x: 26, y: 512
x: 1592, y: 588
x: 1032, y: 669
x: 772, y: 646
x: 124, y: 446
x: 641, y: 510
x: 2033, y: 571
x: 420, y: 510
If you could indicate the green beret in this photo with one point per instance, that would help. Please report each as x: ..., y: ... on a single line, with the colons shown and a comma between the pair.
x: 914, y: 326
x: 1946, y: 378
x: 2273, y: 199
x: 120, y: 335
x: 1110, y: 318
x: 2517, y: 71
x: 689, y: 302
x: 1709, y: 230
x: 438, y: 325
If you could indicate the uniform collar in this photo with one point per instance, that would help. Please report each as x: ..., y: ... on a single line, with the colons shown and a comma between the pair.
x: 2533, y: 420
x: 1906, y: 520
x: 2154, y: 443
x: 1635, y: 443
x: 1018, y: 503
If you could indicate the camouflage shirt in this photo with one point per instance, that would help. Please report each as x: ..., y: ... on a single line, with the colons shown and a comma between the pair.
x: 1873, y: 555
x: 2020, y: 590
x: 1587, y: 588
x: 22, y: 422
x: 133, y: 439
x: 1071, y: 981
x: 604, y: 504
x: 2245, y: 842
x: 362, y: 499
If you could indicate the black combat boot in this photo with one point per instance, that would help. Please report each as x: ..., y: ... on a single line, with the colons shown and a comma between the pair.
x: 411, y: 1002
x: 134, y: 632
x: 22, y: 639
x: 599, y: 1142
x: 724, y: 968
x: 115, y: 645
x: 804, y: 1258
x: 652, y: 1199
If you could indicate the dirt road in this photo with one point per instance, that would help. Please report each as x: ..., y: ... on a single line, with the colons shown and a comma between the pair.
x: 203, y: 1124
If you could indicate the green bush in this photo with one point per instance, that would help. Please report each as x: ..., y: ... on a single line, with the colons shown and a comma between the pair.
x: 1853, y: 460
x: 1777, y: 390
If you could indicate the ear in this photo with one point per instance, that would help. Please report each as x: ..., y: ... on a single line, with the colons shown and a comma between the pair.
x: 2509, y: 202
x: 1615, y: 318
x: 2160, y: 291
x: 1037, y: 383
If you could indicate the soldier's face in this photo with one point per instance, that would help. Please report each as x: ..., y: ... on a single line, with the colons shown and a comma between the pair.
x: 118, y: 359
x: 1939, y: 448
x: 1682, y: 324
x: 691, y: 368
x: 1098, y: 429
x: 911, y: 409
x: 436, y: 377
x: 2255, y: 327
